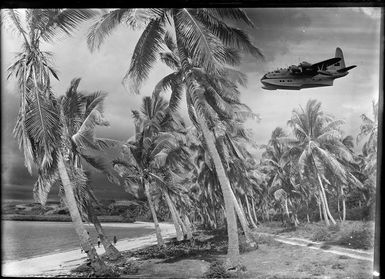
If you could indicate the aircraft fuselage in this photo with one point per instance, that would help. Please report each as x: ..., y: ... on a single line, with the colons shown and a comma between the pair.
x: 307, y: 75
x: 286, y: 80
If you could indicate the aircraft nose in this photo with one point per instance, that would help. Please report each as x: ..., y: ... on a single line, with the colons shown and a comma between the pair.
x: 263, y: 80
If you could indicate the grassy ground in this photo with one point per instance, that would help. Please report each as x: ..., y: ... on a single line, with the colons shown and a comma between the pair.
x: 202, y: 258
x: 351, y: 234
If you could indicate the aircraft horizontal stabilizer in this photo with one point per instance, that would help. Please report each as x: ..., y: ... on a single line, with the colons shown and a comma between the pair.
x: 346, y: 69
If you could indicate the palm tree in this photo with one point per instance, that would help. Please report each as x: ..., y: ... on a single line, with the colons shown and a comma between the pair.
x: 204, y: 44
x: 38, y: 127
x: 75, y: 108
x: 317, y: 147
x: 369, y: 129
x: 164, y: 156
x: 136, y: 164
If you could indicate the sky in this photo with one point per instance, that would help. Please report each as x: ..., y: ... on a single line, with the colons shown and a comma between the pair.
x: 285, y: 36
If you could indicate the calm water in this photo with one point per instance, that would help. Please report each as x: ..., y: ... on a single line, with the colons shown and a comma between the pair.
x: 25, y: 239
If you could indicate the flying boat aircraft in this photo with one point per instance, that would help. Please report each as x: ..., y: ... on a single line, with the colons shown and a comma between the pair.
x: 307, y: 75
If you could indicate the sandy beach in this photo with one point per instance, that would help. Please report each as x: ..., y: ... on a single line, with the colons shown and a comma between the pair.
x: 62, y: 262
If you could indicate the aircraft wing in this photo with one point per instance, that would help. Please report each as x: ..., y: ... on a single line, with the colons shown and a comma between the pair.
x: 326, y: 63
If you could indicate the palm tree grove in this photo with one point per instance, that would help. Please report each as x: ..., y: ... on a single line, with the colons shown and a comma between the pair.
x: 149, y: 148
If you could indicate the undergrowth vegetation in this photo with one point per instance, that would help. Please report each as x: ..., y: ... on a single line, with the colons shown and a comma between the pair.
x: 217, y: 269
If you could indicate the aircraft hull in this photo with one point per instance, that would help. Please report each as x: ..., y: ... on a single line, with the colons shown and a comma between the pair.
x: 296, y: 84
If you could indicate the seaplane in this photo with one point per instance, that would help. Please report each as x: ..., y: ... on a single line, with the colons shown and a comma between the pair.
x: 307, y: 75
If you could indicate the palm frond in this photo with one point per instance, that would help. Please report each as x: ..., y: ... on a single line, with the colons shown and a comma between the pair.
x: 14, y: 15
x: 93, y: 100
x: 53, y: 21
x: 203, y: 47
x: 85, y: 136
x: 171, y: 60
x: 42, y: 123
x: 104, y: 26
x: 230, y: 36
x: 233, y: 14
x: 43, y: 185
x: 25, y: 142
x: 145, y: 54
x: 169, y: 40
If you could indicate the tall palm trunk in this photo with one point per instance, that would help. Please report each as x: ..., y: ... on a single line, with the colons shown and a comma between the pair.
x: 153, y: 213
x: 233, y: 257
x: 249, y: 213
x: 96, y: 263
x: 242, y: 219
x: 287, y: 213
x: 319, y: 208
x: 338, y: 203
x: 322, y: 203
x: 188, y: 227
x: 325, y: 200
x: 343, y: 205
x: 267, y: 213
x: 254, y: 213
x: 179, y: 234
x: 307, y: 211
x: 111, y: 251
x: 180, y: 221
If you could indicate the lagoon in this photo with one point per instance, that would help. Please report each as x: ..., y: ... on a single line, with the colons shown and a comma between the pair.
x: 26, y: 239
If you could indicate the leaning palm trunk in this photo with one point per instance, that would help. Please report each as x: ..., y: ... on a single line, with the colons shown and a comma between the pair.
x: 325, y: 201
x: 232, y: 230
x: 179, y: 234
x: 242, y: 219
x: 111, y: 252
x: 185, y: 226
x: 249, y: 213
x: 96, y: 263
x: 179, y: 221
x: 153, y: 213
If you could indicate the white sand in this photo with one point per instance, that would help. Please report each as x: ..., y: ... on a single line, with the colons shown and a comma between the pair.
x: 62, y: 263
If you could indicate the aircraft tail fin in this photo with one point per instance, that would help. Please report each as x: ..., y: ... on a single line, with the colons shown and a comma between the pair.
x: 339, y: 65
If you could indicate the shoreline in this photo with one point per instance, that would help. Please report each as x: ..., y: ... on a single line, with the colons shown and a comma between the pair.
x: 62, y: 262
x: 60, y: 218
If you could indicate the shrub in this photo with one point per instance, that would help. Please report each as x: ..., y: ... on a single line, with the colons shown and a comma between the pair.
x: 217, y: 270
x: 130, y: 267
x: 361, y: 238
x: 322, y: 234
x: 335, y: 228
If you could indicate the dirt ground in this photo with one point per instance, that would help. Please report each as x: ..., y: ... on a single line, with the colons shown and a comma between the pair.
x: 271, y: 260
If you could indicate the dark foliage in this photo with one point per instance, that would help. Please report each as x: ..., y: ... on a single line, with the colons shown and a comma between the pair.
x: 362, y: 238
x: 130, y: 267
x: 360, y: 213
x: 217, y: 270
